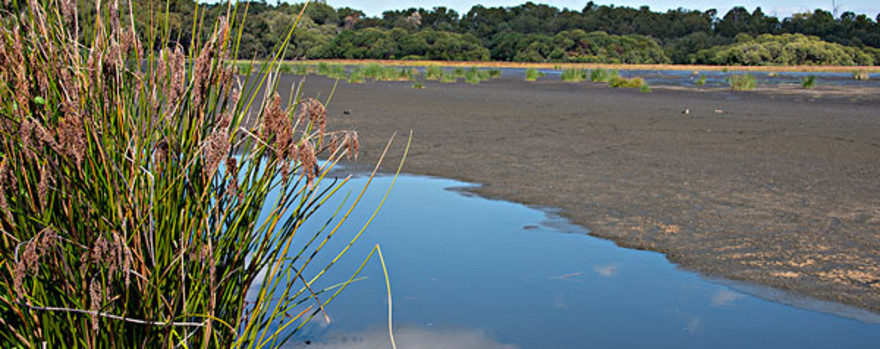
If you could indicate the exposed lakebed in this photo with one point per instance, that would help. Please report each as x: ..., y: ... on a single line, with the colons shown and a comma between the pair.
x: 467, y: 272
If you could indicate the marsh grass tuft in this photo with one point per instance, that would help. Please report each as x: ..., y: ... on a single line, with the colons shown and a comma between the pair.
x: 532, y: 74
x: 603, y: 75
x: 473, y: 76
x: 448, y: 77
x: 574, y: 75
x: 742, y: 82
x: 144, y: 192
x: 433, y: 72
x: 621, y: 82
x: 701, y: 81
x: 302, y: 69
x: 808, y: 82
x: 861, y: 75
x: 356, y: 75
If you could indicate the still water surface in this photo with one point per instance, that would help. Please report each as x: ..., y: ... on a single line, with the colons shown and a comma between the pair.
x: 468, y: 272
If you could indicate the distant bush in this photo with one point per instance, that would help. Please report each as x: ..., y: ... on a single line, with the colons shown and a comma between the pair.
x: 742, y: 82
x: 785, y: 49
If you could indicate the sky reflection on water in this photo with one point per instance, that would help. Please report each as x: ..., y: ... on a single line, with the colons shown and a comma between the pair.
x: 491, y: 274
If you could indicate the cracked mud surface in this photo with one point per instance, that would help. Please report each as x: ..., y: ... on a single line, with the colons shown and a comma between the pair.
x: 778, y: 189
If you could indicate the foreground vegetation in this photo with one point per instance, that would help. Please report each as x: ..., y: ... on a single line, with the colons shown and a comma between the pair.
x: 149, y: 198
x: 540, y: 33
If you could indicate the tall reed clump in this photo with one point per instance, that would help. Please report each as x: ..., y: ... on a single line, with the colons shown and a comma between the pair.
x: 372, y: 71
x: 533, y: 74
x: 742, y: 82
x: 621, y: 82
x: 356, y: 75
x: 808, y: 82
x: 135, y: 205
x: 433, y: 72
x: 573, y: 75
x: 472, y: 76
x: 301, y: 69
x: 861, y: 75
x: 448, y: 77
x: 603, y: 75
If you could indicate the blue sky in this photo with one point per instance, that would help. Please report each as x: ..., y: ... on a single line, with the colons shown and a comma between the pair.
x: 774, y: 7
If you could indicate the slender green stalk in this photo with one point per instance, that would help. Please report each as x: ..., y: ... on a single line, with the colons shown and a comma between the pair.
x: 145, y: 187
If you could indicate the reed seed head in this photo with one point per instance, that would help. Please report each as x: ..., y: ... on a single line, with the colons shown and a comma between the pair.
x: 18, y: 276
x: 276, y: 124
x: 43, y: 186
x: 316, y: 113
x: 4, y: 206
x: 96, y: 297
x: 72, y: 136
x: 216, y: 149
x: 308, y: 160
x: 68, y: 11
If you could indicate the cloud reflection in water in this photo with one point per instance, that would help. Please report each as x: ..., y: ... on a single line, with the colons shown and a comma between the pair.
x: 410, y: 338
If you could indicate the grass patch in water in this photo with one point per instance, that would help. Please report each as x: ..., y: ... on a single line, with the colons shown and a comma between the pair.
x: 574, y: 75
x: 621, y: 82
x: 742, y: 82
x: 808, y: 82
x: 533, y: 74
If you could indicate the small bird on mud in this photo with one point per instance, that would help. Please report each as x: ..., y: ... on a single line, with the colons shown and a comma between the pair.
x: 346, y: 112
x: 686, y: 111
x: 719, y: 111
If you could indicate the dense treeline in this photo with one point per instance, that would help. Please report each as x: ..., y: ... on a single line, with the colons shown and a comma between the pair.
x: 541, y: 33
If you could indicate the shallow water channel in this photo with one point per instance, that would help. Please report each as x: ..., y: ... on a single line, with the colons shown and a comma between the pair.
x: 467, y: 272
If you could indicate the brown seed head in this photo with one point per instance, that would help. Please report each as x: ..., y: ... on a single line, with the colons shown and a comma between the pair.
x: 4, y: 206
x: 177, y: 67
x: 215, y: 150
x: 308, y: 160
x: 96, y: 296
x: 68, y: 11
x: 43, y: 186
x: 316, y: 113
x: 26, y: 133
x: 277, y: 124
x: 351, y: 144
x: 72, y: 136
x: 7, y: 177
x: 160, y: 156
x: 19, y: 273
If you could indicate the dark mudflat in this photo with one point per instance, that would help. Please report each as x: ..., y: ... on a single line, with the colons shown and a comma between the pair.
x: 778, y: 189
